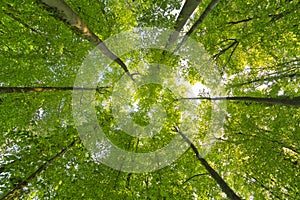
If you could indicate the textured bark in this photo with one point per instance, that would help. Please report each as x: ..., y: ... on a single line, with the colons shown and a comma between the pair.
x: 186, y: 12
x: 208, y: 9
x: 63, y: 12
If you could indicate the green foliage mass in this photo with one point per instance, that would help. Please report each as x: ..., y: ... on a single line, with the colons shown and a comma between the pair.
x: 255, y: 46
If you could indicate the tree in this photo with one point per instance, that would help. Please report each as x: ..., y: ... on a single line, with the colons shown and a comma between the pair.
x: 255, y: 47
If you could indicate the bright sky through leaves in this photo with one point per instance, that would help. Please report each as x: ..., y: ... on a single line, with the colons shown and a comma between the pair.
x: 242, y: 142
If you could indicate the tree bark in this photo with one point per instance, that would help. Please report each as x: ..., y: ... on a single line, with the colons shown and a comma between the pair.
x: 45, y: 89
x: 295, y: 101
x: 63, y: 12
x: 284, y: 100
x: 11, y: 194
x: 208, y: 9
x: 186, y: 12
x: 223, y: 185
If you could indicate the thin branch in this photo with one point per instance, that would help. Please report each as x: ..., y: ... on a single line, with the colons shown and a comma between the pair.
x: 274, y: 17
x: 194, y: 177
x: 265, y: 138
x: 40, y: 170
x: 225, y: 40
x: 128, y: 180
x: 121, y: 166
x: 234, y: 43
x: 262, y: 185
x: 223, y: 185
x: 288, y: 69
x: 241, y: 21
x: 272, y: 78
x: 232, y: 52
x: 19, y: 21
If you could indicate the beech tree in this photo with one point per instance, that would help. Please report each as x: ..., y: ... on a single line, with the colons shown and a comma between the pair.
x: 253, y: 46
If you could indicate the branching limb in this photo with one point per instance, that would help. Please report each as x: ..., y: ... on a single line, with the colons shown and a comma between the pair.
x: 233, y: 44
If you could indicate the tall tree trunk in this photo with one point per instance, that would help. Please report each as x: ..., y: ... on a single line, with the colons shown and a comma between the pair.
x: 13, y: 194
x: 284, y: 100
x: 186, y: 12
x: 223, y: 185
x: 207, y: 10
x: 295, y: 101
x: 45, y: 89
x: 63, y: 12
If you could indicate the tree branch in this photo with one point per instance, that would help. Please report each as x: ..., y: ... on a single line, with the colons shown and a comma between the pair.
x: 232, y: 52
x: 274, y: 17
x: 194, y: 177
x: 287, y: 69
x: 19, y: 21
x: 234, y: 43
x: 265, y: 138
x: 241, y: 21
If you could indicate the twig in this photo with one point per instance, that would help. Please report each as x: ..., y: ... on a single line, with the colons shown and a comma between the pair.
x: 194, y: 177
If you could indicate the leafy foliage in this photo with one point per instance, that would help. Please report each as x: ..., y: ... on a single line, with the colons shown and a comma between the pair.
x: 255, y: 45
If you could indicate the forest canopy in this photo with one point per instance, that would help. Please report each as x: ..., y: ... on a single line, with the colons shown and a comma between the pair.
x: 201, y: 97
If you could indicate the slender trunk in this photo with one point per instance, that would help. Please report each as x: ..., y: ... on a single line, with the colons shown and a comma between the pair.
x: 208, y: 9
x: 284, y: 100
x: 11, y: 194
x: 64, y: 13
x: 45, y: 89
x: 223, y: 185
x: 186, y: 12
x: 295, y: 101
